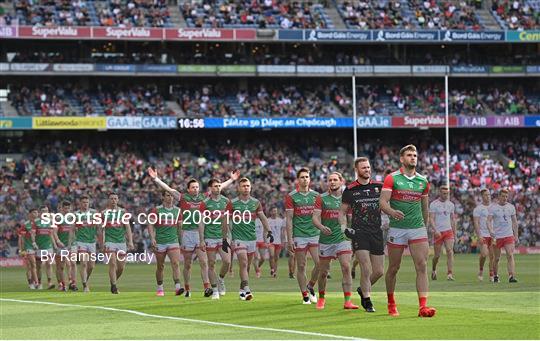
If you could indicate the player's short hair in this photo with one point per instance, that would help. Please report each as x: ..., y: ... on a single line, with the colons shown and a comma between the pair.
x: 407, y: 148
x: 484, y: 190
x: 164, y: 192
x: 66, y: 203
x: 111, y: 193
x: 84, y: 196
x: 504, y: 190
x: 43, y: 206
x: 212, y: 181
x: 444, y: 187
x: 33, y: 209
x: 338, y: 174
x: 360, y: 159
x: 302, y: 170
x: 242, y: 180
x: 192, y: 181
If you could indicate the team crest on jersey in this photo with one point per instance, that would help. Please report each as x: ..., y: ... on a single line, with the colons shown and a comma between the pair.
x: 392, y: 239
x: 377, y: 189
x: 421, y: 186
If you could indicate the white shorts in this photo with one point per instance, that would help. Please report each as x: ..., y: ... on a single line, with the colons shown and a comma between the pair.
x: 115, y: 247
x: 49, y: 253
x: 161, y: 248
x: 213, y: 244
x: 332, y: 251
x: 190, y: 240
x: 249, y: 245
x: 401, y: 238
x: 304, y: 243
x: 84, y: 247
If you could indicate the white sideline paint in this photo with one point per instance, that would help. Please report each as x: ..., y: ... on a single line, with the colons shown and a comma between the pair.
x: 134, y: 312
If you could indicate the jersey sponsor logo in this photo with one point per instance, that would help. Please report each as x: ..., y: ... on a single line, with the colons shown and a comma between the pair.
x: 303, y: 210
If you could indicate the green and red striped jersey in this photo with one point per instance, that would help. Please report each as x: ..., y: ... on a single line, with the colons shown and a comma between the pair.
x: 407, y: 193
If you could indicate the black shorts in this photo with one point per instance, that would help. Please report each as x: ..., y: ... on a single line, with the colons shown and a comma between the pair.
x: 370, y: 241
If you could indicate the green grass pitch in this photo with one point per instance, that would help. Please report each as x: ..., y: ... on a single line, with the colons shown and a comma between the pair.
x: 466, y: 308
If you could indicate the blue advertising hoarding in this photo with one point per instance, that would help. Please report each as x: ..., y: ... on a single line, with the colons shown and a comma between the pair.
x: 336, y: 35
x: 532, y: 121
x: 488, y: 36
x: 157, y: 68
x: 9, y: 123
x: 116, y: 67
x: 290, y: 35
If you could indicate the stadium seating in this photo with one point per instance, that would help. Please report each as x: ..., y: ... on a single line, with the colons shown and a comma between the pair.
x: 333, y: 99
x: 517, y: 14
x: 256, y: 14
x: 121, y: 13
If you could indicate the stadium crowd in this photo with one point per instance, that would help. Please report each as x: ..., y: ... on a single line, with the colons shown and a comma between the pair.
x: 259, y: 98
x: 516, y: 14
x: 445, y: 15
x: 283, y: 14
x: 50, y: 171
x: 139, y: 13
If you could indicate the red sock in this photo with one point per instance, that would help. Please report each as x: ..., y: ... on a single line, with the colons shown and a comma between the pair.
x: 491, y: 274
x: 391, y: 298
x: 449, y: 272
x: 321, y: 293
x: 422, y: 301
x: 186, y: 287
x: 481, y: 268
x: 206, y: 285
x: 347, y: 296
x: 311, y: 284
x: 304, y: 293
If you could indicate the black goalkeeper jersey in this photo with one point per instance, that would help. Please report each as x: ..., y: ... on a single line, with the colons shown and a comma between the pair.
x: 364, y: 203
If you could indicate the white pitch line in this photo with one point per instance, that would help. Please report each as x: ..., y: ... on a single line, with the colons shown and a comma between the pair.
x: 134, y: 312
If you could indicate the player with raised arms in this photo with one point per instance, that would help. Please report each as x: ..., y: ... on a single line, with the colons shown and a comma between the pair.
x: 190, y: 203
x: 302, y: 235
x: 405, y: 198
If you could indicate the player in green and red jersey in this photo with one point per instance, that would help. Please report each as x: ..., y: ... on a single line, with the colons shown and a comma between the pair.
x: 191, y: 217
x: 63, y: 233
x: 405, y: 199
x: 46, y: 245
x: 242, y: 213
x: 85, y: 239
x: 302, y: 235
x: 164, y: 239
x: 28, y: 246
x: 116, y: 233
x: 332, y: 242
x: 212, y: 210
